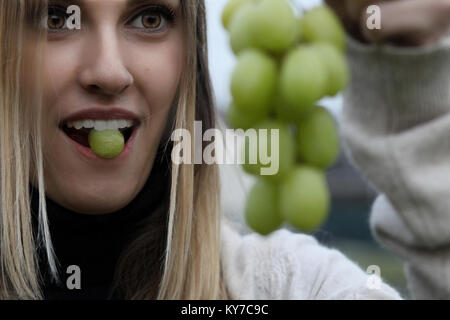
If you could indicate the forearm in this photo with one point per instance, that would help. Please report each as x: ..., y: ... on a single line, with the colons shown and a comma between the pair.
x: 396, y: 128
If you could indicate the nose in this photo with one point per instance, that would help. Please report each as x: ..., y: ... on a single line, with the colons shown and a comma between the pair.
x: 104, y: 72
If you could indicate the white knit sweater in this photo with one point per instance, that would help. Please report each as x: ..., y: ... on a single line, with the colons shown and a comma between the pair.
x: 396, y: 130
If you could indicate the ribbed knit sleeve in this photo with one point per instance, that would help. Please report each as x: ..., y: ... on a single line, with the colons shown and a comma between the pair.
x: 396, y: 130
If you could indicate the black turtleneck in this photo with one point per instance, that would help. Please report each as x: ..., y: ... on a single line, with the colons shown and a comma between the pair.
x: 95, y: 242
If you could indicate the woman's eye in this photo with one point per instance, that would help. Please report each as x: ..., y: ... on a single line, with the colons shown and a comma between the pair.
x: 56, y: 19
x: 149, y: 19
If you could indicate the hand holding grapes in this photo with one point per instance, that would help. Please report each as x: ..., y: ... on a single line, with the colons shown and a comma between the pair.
x: 408, y: 23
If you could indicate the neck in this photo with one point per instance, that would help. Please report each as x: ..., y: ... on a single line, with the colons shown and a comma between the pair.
x: 105, y: 245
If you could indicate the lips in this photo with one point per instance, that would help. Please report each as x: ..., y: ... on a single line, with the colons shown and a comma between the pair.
x: 81, y: 135
x: 102, y: 114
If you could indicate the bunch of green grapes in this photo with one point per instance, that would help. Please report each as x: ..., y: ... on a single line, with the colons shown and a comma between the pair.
x: 286, y: 64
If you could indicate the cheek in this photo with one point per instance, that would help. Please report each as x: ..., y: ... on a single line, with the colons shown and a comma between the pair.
x: 58, y: 74
x: 157, y: 72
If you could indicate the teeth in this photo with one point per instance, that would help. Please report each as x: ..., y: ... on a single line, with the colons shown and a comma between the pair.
x: 123, y: 124
x: 78, y: 125
x: 110, y: 124
x: 100, y: 124
x: 88, y: 124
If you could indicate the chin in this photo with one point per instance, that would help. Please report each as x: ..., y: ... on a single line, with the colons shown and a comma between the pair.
x: 98, y: 199
x: 98, y: 207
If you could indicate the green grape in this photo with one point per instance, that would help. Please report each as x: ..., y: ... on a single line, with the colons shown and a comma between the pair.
x: 303, y: 79
x: 317, y: 138
x: 322, y: 25
x: 304, y: 198
x: 253, y: 82
x: 262, y: 209
x: 283, y: 111
x: 338, y: 73
x: 106, y: 143
x: 240, y: 28
x: 276, y: 77
x: 241, y: 119
x: 230, y: 9
x: 285, y: 146
x: 275, y: 27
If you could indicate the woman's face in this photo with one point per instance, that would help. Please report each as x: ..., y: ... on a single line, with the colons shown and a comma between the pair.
x: 125, y: 63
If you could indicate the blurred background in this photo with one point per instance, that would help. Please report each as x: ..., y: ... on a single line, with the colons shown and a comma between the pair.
x: 347, y: 227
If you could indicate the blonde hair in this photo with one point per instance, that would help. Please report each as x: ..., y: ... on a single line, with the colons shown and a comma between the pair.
x: 190, y: 264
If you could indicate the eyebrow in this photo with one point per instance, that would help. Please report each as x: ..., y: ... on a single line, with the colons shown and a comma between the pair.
x: 133, y: 2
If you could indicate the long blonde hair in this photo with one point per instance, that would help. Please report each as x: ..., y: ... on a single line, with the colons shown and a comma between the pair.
x: 190, y: 262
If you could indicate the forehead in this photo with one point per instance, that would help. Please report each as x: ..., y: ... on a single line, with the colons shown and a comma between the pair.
x: 125, y: 3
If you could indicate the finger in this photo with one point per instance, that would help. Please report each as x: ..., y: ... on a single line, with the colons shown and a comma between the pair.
x: 414, y: 21
x: 350, y: 9
x: 350, y: 12
x: 355, y: 8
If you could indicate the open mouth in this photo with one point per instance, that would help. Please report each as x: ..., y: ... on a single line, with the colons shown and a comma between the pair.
x: 81, y: 135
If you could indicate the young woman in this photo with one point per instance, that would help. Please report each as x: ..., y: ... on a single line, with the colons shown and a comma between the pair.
x: 139, y: 226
